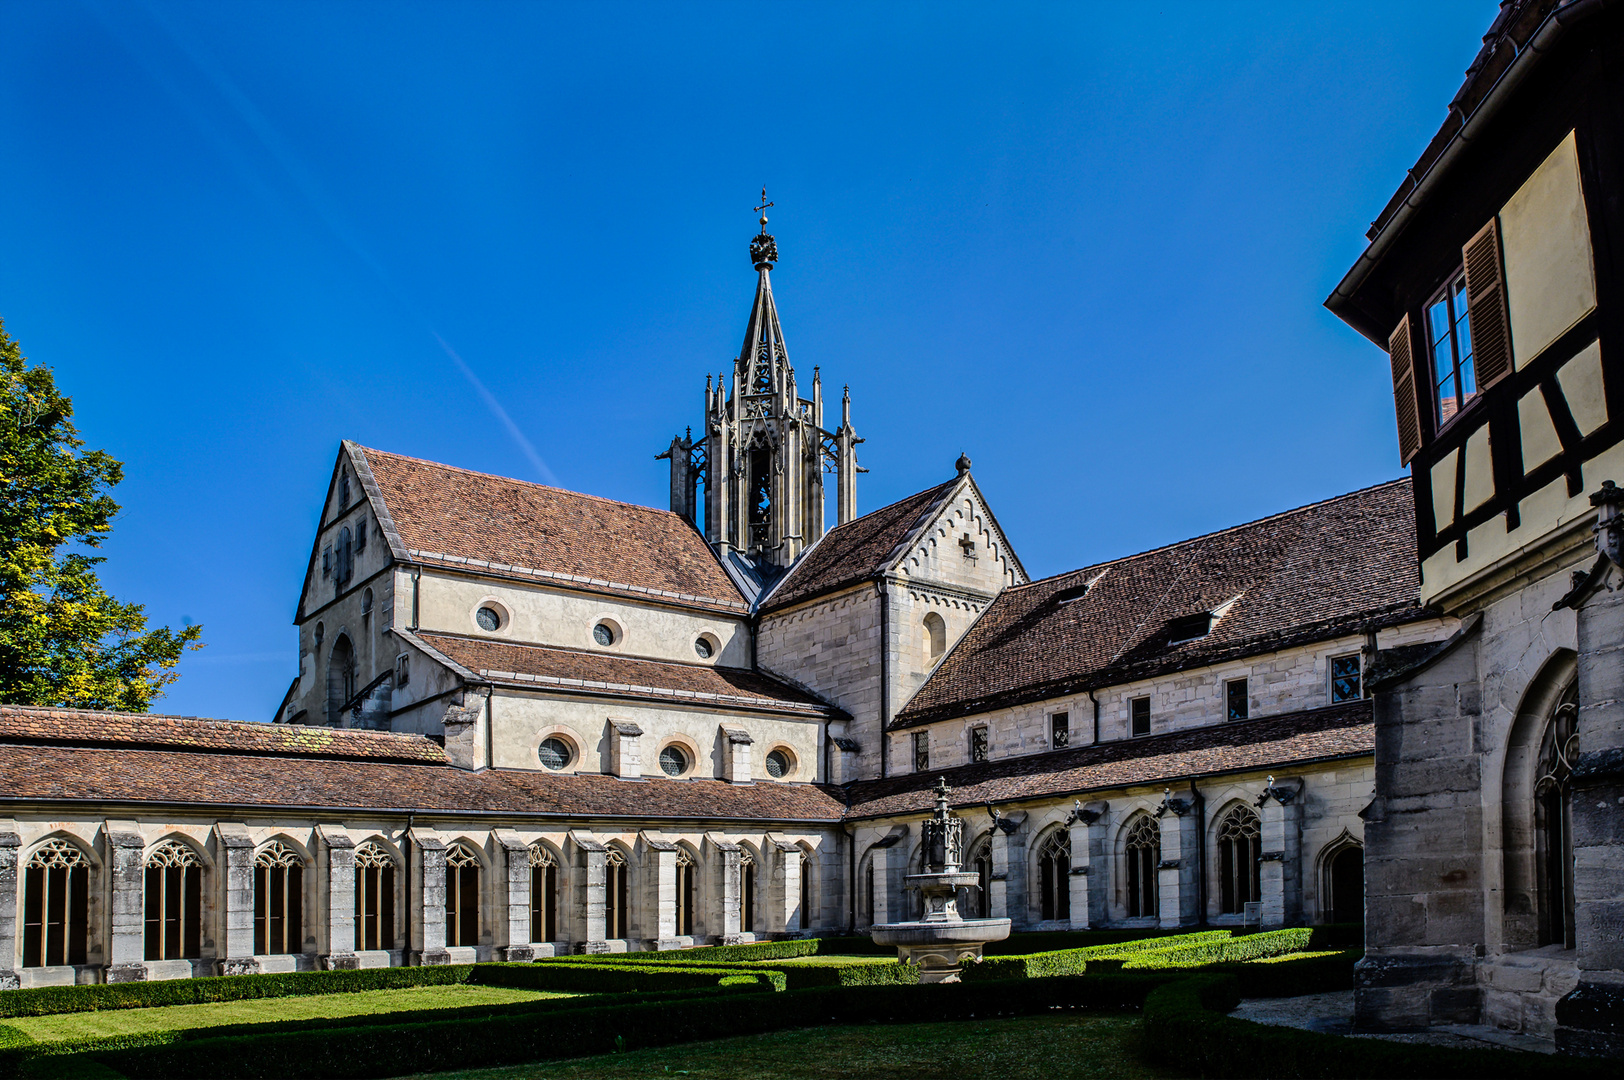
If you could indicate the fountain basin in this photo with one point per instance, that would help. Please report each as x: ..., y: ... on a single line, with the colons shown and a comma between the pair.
x: 938, y: 947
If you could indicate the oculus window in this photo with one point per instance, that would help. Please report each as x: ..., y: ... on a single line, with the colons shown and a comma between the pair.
x: 554, y: 754
x: 1449, y: 340
x: 488, y: 618
x: 779, y: 765
x: 673, y: 761
x: 603, y: 634
x: 704, y: 648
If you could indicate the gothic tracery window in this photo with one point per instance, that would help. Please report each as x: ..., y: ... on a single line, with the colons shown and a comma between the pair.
x: 685, y: 892
x: 1144, y: 854
x: 278, y: 900
x: 461, y: 896
x: 1553, y: 822
x: 374, y: 897
x: 806, y: 890
x: 1054, y: 876
x: 1238, y: 851
x: 747, y: 893
x: 980, y: 861
x: 616, y: 895
x: 543, y: 894
x: 173, y: 903
x: 56, y: 905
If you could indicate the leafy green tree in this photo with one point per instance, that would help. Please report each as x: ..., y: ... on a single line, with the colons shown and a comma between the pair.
x: 63, y: 640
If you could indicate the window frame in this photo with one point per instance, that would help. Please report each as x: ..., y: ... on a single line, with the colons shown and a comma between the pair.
x: 1446, y: 294
x: 1133, y: 717
x: 921, y: 751
x: 1230, y: 686
x: 1331, y: 677
x: 980, y: 744
x: 1059, y: 730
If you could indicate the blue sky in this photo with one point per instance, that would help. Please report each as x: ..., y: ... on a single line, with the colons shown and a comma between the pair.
x: 1086, y: 244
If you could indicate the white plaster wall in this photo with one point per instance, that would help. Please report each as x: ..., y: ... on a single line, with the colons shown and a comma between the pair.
x: 1550, y: 282
x: 544, y: 616
x: 521, y: 721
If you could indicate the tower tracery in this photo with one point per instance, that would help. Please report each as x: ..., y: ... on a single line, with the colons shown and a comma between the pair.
x: 763, y: 452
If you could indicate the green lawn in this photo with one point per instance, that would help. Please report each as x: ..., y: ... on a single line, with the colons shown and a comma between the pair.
x: 1027, y: 1048
x: 264, y: 1010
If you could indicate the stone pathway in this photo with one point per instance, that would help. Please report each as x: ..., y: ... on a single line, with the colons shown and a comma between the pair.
x: 1333, y: 1014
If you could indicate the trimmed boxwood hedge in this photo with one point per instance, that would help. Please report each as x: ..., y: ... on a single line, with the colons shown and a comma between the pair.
x: 398, y: 1049
x: 799, y: 976
x: 582, y: 975
x: 1222, y: 950
x: 45, y: 1000
x: 1185, y: 1027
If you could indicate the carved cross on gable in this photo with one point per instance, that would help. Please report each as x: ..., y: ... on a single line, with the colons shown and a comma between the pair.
x: 969, y: 547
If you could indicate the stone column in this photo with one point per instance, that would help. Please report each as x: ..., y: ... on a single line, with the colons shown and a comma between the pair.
x: 126, y: 865
x: 1090, y: 866
x: 1590, y: 1019
x: 783, y: 886
x: 590, y: 913
x: 1177, y: 876
x: 10, y: 847
x: 510, y: 899
x: 234, y: 940
x: 1280, y: 875
x: 1009, y: 868
x: 337, y: 942
x: 660, y: 892
x: 428, y: 903
x: 726, y: 888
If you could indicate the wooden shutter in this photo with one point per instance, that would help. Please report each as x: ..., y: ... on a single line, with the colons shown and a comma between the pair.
x: 1406, y: 402
x: 1486, y: 300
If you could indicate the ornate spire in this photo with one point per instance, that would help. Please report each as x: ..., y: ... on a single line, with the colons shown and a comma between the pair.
x: 763, y: 249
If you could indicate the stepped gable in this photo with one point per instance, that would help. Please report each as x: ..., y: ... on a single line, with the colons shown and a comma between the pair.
x: 1291, y: 739
x: 68, y: 756
x: 590, y: 672
x: 1321, y: 571
x: 21, y: 724
x: 502, y: 527
x: 856, y: 551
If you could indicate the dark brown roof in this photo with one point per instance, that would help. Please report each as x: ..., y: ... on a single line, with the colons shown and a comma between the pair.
x: 581, y: 671
x: 510, y: 528
x: 1310, y: 574
x: 1513, y: 26
x: 1340, y: 731
x: 20, y: 723
x: 55, y: 755
x: 857, y: 550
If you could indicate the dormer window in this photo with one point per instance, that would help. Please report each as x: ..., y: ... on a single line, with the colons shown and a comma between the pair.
x: 1189, y: 627
x: 1075, y: 592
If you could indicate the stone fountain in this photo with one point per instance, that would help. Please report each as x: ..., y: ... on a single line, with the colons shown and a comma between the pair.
x: 938, y: 943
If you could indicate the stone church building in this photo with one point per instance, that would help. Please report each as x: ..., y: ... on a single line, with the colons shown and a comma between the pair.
x: 529, y: 721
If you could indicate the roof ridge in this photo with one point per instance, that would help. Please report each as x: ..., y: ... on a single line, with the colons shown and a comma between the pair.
x: 584, y: 652
x: 254, y: 725
x: 516, y: 480
x: 888, y: 506
x: 1120, y: 559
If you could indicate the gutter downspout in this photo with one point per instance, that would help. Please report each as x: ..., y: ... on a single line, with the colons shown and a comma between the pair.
x: 417, y: 574
x: 885, y: 676
x: 1486, y: 110
x: 1200, y: 852
x: 1096, y: 702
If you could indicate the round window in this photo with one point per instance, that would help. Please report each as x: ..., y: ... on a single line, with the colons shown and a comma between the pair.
x: 488, y: 618
x: 554, y: 753
x: 779, y: 765
x: 703, y: 647
x: 603, y: 634
x: 673, y: 761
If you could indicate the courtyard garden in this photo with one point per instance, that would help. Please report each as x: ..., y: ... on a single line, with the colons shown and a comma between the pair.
x: 1062, y: 1004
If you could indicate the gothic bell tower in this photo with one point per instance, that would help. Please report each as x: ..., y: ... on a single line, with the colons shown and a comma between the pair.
x: 764, y: 450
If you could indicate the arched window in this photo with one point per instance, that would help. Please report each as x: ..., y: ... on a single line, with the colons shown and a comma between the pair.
x: 807, y: 913
x: 56, y: 905
x: 935, y: 637
x: 278, y: 900
x: 685, y: 892
x: 976, y: 900
x: 340, y: 679
x: 374, y: 898
x: 867, y: 895
x: 747, y: 893
x: 616, y: 895
x: 1345, y: 884
x: 461, y: 896
x: 1054, y: 876
x: 543, y: 894
x: 1553, y: 822
x: 1144, y: 852
x: 1238, y: 853
x: 174, y: 903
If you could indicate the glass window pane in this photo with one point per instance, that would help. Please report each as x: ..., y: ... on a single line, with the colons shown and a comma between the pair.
x: 1438, y: 324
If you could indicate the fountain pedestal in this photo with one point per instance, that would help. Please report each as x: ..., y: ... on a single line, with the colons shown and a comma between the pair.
x: 940, y: 941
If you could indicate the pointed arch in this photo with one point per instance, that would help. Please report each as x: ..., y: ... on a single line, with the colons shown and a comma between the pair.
x: 56, y: 901
x: 1341, y: 866
x: 279, y: 878
x: 617, y: 892
x: 977, y: 899
x: 808, y: 900
x: 1141, y: 853
x: 376, y: 863
x: 1237, y: 835
x: 750, y: 864
x: 341, y: 677
x: 1535, y: 844
x: 1052, y: 863
x: 173, y: 899
x: 464, y: 862
x: 687, y: 888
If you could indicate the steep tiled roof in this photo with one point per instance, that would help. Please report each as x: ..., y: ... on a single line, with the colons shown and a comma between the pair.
x: 855, y: 551
x: 1339, y: 731
x: 1309, y: 574
x: 510, y: 528
x: 582, y: 671
x: 84, y: 728
x: 59, y: 755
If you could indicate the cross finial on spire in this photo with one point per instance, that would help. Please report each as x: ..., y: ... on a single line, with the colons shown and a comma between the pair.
x: 762, y: 209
